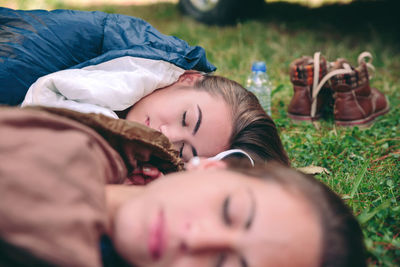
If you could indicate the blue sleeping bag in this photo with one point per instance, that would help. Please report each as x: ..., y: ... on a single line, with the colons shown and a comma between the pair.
x: 38, y: 42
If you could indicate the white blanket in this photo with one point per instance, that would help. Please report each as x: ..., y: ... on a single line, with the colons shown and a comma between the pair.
x: 111, y: 86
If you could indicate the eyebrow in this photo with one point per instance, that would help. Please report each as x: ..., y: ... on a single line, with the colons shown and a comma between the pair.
x: 198, y: 123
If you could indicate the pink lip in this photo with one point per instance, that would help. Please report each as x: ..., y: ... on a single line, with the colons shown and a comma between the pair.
x: 157, y: 237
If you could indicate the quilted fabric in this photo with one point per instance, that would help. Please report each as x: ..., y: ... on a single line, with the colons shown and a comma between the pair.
x: 37, y: 42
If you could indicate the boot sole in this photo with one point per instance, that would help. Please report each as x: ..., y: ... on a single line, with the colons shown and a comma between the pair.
x: 300, y: 118
x: 363, y: 122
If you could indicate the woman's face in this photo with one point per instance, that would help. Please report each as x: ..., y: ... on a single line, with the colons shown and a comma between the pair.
x: 217, y: 218
x: 196, y: 122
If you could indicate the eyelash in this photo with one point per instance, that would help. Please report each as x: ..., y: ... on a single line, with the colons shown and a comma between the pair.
x: 181, y: 150
x: 184, y: 119
x: 225, y: 211
x: 221, y: 259
x: 184, y: 124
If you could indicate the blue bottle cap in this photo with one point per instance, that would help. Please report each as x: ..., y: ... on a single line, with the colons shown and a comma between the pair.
x: 259, y: 66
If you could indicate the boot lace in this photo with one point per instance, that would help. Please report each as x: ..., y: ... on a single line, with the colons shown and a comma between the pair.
x: 346, y: 69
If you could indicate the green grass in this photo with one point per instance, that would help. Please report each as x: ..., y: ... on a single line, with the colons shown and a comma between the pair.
x: 363, y: 165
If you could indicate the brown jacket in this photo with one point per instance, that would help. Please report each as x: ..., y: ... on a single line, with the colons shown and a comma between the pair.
x: 53, y: 167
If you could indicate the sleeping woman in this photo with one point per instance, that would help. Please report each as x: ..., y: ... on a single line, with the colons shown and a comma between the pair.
x: 121, y: 67
x: 202, y: 115
x: 263, y: 216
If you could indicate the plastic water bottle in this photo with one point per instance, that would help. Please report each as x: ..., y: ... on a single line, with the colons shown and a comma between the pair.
x: 259, y: 84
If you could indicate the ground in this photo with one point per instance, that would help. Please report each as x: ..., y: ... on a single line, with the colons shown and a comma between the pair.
x: 362, y: 165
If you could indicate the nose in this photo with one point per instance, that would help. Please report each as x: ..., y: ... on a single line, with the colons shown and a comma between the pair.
x: 170, y: 132
x: 174, y: 135
x: 204, y: 238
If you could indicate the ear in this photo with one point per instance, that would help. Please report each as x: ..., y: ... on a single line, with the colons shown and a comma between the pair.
x: 204, y: 164
x: 189, y: 77
x: 214, y: 164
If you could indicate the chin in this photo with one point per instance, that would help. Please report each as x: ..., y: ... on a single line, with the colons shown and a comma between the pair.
x: 125, y: 249
x: 127, y: 241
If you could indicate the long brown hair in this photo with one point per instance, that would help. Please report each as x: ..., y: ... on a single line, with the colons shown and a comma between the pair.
x: 343, y: 241
x: 253, y: 130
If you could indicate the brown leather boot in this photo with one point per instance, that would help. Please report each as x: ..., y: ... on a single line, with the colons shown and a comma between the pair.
x: 305, y: 76
x: 356, y: 103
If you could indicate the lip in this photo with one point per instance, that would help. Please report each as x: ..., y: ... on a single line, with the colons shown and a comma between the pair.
x: 157, y: 237
x: 147, y: 121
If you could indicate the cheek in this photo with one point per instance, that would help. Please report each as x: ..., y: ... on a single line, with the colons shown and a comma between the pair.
x: 195, y: 260
x: 194, y: 220
x: 127, y: 230
x: 134, y: 113
x: 186, y: 198
x: 185, y: 211
x: 145, y: 105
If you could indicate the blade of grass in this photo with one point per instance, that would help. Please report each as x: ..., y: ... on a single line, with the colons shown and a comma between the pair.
x: 359, y: 178
x: 277, y: 89
x: 368, y: 215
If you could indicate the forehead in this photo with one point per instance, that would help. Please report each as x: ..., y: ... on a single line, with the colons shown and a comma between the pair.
x: 286, y: 228
x: 215, y: 131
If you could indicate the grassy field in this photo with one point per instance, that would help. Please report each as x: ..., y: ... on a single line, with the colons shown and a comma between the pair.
x: 361, y: 165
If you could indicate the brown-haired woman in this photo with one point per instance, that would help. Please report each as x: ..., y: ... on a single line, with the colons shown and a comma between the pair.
x: 269, y: 215
x: 202, y: 115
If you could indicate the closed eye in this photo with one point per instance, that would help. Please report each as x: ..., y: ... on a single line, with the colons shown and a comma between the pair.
x: 221, y: 259
x: 225, y: 211
x: 184, y: 119
x: 181, y: 150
